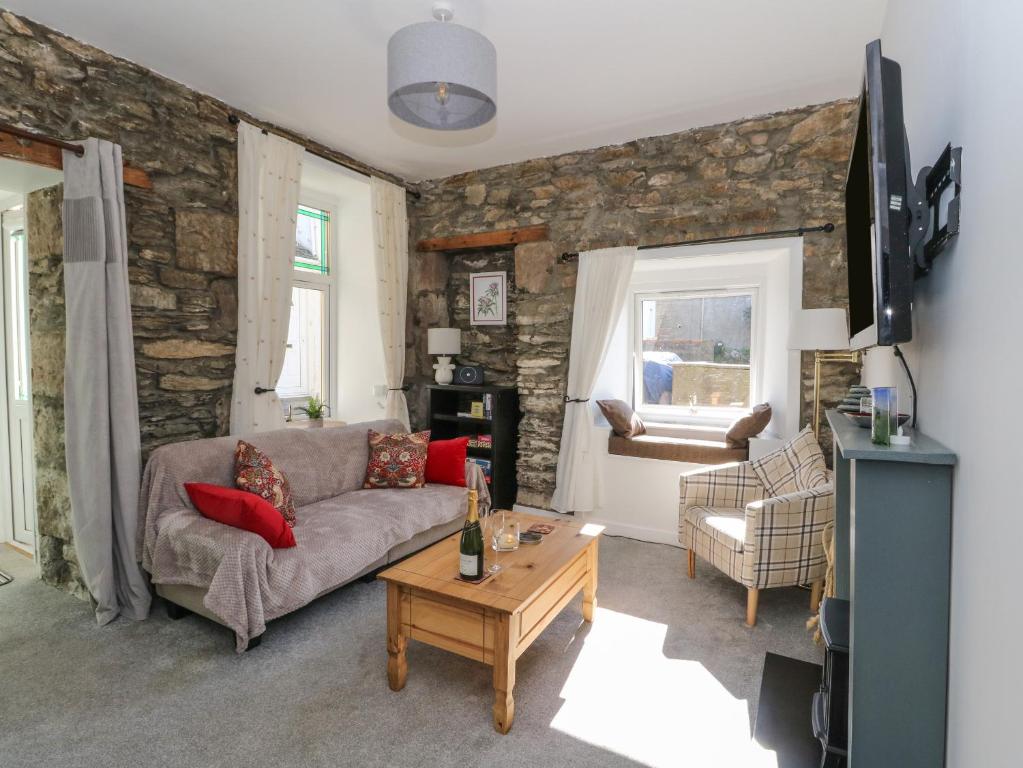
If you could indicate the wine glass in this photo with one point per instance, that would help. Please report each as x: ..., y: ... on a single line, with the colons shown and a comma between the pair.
x: 494, y: 525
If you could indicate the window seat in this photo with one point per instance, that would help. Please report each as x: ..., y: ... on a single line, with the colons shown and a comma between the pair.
x: 684, y: 449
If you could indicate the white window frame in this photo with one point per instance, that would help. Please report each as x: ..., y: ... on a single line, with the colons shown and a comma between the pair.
x: 328, y: 285
x: 701, y: 415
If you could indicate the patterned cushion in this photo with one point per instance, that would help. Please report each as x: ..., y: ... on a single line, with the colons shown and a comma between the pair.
x: 255, y: 473
x: 796, y: 466
x: 397, y: 461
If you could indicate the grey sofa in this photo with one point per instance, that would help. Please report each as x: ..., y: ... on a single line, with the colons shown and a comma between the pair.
x: 343, y: 532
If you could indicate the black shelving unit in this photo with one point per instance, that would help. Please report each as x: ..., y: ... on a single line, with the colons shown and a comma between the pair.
x: 448, y: 400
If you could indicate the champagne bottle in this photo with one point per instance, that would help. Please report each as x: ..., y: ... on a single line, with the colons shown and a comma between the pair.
x: 470, y: 548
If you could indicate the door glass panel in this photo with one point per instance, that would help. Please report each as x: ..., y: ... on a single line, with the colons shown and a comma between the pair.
x: 18, y: 299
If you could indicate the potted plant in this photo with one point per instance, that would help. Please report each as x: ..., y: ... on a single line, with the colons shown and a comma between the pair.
x: 315, y: 409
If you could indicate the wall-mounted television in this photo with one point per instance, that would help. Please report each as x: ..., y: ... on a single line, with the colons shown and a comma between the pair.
x: 877, y: 210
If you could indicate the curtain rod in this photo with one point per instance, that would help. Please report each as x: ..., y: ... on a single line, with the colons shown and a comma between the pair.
x: 234, y: 120
x: 797, y: 232
x: 41, y: 139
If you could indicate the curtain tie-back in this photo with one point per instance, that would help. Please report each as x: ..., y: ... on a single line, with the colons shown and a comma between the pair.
x: 262, y: 390
x: 399, y: 389
x: 576, y: 399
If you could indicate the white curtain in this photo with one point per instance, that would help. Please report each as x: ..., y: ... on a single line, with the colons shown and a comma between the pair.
x: 101, y: 410
x: 390, y: 243
x: 269, y: 174
x: 600, y: 292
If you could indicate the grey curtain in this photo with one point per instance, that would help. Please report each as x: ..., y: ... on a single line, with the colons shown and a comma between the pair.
x: 101, y: 411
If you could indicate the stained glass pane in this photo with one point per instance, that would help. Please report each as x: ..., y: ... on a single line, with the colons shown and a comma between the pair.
x: 312, y: 238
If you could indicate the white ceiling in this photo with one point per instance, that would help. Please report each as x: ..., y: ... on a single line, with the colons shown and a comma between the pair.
x: 22, y: 178
x: 572, y: 74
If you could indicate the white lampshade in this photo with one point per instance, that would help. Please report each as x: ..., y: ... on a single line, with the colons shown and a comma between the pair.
x: 823, y: 329
x: 444, y: 341
x: 880, y: 368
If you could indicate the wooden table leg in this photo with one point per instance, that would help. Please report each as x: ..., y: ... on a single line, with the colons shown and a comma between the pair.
x: 397, y: 668
x: 590, y: 587
x: 504, y: 672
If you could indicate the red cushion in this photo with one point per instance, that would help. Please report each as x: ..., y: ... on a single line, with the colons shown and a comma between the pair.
x: 241, y: 509
x: 445, y: 461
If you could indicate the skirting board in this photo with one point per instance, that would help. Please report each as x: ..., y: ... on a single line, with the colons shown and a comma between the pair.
x: 641, y: 533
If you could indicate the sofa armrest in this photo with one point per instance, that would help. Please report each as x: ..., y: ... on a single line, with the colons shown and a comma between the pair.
x: 783, y: 544
x: 728, y: 485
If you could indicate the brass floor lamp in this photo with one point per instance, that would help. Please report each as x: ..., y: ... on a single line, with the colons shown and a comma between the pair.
x: 825, y: 333
x: 819, y: 358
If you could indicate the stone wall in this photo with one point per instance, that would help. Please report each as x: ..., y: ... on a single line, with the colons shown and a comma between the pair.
x: 779, y: 171
x: 46, y: 337
x: 181, y: 244
x: 709, y: 383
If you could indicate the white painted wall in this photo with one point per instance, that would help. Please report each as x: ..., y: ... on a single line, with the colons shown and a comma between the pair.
x: 357, y: 346
x: 962, y: 65
x: 639, y: 497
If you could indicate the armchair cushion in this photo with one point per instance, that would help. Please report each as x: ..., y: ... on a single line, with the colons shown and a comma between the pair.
x: 796, y: 466
x: 725, y: 525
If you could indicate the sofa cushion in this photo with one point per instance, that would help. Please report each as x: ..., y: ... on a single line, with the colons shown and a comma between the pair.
x: 396, y: 460
x: 622, y: 418
x: 241, y: 509
x: 796, y: 466
x: 750, y: 425
x: 255, y: 472
x: 445, y: 461
x: 726, y: 525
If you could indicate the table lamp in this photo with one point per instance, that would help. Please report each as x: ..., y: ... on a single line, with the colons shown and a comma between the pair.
x: 444, y: 342
x: 825, y: 333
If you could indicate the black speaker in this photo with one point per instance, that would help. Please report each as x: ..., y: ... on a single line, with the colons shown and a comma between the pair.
x: 468, y: 374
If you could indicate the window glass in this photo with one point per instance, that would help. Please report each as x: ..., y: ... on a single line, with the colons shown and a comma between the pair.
x: 312, y: 236
x: 304, y: 361
x: 695, y: 350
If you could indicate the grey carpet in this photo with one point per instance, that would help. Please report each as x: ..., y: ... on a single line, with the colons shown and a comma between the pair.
x: 667, y: 675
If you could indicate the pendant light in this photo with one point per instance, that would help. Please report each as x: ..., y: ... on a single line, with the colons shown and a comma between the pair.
x: 441, y: 75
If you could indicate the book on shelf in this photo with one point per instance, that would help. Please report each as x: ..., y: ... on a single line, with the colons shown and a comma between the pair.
x: 488, y: 406
x: 477, y: 410
x: 481, y: 441
x: 483, y: 464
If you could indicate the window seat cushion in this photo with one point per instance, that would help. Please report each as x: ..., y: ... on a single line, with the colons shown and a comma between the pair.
x: 675, y: 449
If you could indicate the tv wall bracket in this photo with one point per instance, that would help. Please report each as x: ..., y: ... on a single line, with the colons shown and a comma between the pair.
x: 928, y: 236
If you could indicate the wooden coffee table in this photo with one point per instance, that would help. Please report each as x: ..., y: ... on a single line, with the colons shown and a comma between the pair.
x: 496, y: 620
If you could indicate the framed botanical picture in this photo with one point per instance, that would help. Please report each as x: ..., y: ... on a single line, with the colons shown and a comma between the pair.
x: 488, y: 298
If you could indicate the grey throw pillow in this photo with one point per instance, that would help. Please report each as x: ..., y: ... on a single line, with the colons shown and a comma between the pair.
x: 750, y: 425
x: 622, y: 418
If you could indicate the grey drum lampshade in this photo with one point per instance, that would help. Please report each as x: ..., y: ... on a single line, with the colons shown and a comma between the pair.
x: 444, y: 341
x: 441, y: 75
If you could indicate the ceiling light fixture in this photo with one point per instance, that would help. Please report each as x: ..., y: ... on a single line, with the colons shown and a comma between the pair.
x: 441, y: 75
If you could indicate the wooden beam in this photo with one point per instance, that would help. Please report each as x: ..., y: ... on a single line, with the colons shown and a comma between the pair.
x: 52, y: 157
x: 492, y: 239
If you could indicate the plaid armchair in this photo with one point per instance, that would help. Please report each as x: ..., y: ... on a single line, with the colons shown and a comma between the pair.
x: 760, y: 522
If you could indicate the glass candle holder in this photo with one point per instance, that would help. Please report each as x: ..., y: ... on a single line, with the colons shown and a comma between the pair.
x: 506, y: 538
x: 884, y: 420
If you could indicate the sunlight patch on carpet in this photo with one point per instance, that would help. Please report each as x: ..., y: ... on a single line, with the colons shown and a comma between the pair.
x: 624, y: 695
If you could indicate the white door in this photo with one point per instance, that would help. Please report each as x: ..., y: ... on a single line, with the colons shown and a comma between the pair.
x: 18, y: 380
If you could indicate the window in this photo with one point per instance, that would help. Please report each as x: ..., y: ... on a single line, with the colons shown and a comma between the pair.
x: 692, y: 353
x: 307, y: 361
